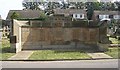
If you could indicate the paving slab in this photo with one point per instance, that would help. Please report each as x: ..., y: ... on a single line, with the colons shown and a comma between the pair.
x: 114, y: 45
x: 99, y: 56
x: 23, y: 55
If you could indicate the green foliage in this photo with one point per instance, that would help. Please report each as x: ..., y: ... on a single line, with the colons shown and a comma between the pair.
x: 79, y: 23
x: 31, y: 5
x: 118, y: 5
x: 90, y: 10
x: 41, y: 19
x: 15, y: 15
x: 96, y: 5
x: 43, y: 16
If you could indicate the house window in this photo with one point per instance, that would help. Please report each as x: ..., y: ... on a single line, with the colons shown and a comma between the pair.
x: 116, y: 16
x: 74, y: 16
x: 106, y: 16
x: 111, y: 16
x: 97, y: 16
x: 81, y: 16
x: 103, y: 16
x: 78, y: 16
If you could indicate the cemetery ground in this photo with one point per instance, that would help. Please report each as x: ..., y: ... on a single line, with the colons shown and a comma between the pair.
x: 5, y: 49
x: 55, y: 54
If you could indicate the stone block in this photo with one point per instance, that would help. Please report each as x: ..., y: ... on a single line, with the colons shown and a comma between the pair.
x: 15, y: 48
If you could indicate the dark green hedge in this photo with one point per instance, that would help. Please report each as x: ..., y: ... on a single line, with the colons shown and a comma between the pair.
x: 41, y: 19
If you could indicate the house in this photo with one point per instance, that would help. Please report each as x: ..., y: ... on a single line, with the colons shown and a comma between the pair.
x: 112, y: 15
x: 24, y: 14
x: 66, y: 15
x: 74, y: 13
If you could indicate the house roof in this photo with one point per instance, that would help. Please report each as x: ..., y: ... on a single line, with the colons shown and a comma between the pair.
x: 25, y: 13
x: 106, y: 12
x: 69, y: 11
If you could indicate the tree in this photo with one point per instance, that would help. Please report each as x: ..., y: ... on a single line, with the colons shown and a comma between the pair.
x: 51, y: 5
x: 31, y: 5
x: 90, y: 10
x: 117, y: 5
x: 43, y: 16
x: 79, y: 5
x: 112, y: 6
x: 14, y: 15
x: 96, y: 5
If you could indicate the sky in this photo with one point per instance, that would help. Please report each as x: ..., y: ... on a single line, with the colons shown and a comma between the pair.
x: 6, y: 5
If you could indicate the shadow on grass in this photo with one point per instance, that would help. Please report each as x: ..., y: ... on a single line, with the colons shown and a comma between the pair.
x: 91, y: 49
x: 6, y: 46
x: 78, y: 50
x: 64, y: 51
x: 6, y: 50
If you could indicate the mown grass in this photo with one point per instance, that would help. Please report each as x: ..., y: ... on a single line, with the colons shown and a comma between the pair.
x: 5, y: 50
x: 58, y: 54
x: 114, y: 40
x: 113, y: 52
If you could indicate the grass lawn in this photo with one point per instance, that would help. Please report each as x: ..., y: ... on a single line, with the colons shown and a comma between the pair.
x: 57, y: 54
x: 114, y: 40
x: 5, y: 54
x: 113, y: 52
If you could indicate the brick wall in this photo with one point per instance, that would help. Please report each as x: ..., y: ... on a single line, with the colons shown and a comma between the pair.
x: 35, y: 37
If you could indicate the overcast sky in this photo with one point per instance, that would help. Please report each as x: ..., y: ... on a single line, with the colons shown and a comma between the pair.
x: 6, y: 5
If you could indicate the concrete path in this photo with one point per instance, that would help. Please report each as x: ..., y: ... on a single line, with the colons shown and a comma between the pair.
x: 99, y: 56
x: 114, y: 45
x: 23, y: 55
